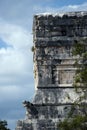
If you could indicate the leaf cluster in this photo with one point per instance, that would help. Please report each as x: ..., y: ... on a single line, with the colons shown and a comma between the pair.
x: 76, y: 123
x: 79, y: 48
x: 77, y: 116
x: 3, y: 125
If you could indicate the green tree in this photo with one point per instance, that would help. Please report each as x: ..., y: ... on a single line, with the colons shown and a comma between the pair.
x: 3, y: 125
x: 77, y: 117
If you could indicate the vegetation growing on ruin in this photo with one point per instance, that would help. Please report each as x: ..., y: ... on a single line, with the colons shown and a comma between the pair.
x: 32, y: 48
x: 3, y: 125
x: 77, y: 117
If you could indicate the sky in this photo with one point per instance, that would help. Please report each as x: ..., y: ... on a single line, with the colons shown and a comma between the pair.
x: 16, y: 58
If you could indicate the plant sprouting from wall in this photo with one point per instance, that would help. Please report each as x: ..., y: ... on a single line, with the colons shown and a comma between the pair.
x: 32, y: 48
x: 77, y: 117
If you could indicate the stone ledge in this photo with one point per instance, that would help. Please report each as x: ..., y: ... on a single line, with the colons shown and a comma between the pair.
x: 50, y: 104
x: 61, y: 14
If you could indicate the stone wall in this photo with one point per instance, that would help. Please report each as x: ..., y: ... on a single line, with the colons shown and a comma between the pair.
x: 54, y: 36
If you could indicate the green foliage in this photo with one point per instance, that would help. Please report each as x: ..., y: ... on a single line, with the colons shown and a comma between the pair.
x: 76, y: 123
x: 3, y: 125
x: 77, y: 116
x: 79, y: 48
x: 32, y: 48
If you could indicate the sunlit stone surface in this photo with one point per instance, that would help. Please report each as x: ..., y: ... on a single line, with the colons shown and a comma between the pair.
x: 53, y: 35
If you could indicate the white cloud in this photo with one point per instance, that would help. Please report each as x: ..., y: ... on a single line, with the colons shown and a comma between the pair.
x: 11, y: 106
x: 16, y: 61
x: 16, y: 68
x: 15, y: 93
x: 15, y: 35
x: 81, y: 7
x: 41, y: 9
x: 18, y: 12
x: 12, y: 61
x: 73, y: 6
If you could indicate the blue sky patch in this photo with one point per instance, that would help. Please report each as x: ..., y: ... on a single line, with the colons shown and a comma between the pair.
x: 4, y: 44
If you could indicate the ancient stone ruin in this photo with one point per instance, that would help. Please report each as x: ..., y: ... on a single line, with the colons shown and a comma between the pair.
x: 53, y: 35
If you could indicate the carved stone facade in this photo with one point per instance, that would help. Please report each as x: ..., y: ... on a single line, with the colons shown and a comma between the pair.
x: 54, y: 35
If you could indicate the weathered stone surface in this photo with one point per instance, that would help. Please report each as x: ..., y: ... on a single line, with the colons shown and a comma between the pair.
x: 54, y: 35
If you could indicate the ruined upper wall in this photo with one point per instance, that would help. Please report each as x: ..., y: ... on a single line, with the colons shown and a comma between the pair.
x: 54, y: 35
x: 57, y: 29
